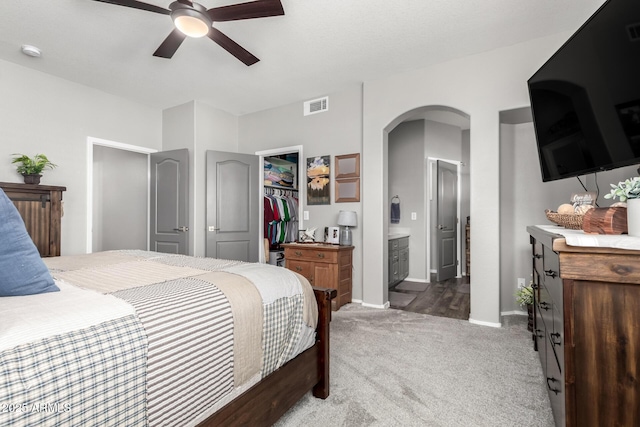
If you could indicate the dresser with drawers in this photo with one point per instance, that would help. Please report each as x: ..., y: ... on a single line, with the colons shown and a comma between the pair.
x: 40, y: 207
x: 325, y: 266
x: 587, y: 330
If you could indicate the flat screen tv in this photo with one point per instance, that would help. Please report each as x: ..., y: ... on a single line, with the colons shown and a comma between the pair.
x: 586, y: 98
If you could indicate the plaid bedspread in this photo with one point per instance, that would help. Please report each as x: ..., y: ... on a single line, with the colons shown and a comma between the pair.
x: 90, y: 377
x: 208, y: 329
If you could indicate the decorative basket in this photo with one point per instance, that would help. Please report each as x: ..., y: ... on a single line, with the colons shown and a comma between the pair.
x: 570, y: 221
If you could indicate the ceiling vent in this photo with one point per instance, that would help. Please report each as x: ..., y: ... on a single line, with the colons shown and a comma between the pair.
x: 634, y: 32
x: 315, y: 106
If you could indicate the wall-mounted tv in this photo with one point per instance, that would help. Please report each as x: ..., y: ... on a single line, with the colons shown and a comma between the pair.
x: 586, y: 97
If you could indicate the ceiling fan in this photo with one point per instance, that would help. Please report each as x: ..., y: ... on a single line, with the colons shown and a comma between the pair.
x: 194, y: 20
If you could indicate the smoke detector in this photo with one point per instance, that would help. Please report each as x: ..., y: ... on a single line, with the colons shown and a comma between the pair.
x: 31, y: 51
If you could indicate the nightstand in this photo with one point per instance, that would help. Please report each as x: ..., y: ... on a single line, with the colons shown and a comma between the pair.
x: 326, y: 266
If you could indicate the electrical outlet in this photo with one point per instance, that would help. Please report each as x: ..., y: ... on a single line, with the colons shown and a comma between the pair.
x: 414, y: 216
x: 305, y: 216
x: 520, y: 282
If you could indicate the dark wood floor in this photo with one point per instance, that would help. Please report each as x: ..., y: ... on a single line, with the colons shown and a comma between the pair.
x: 450, y: 298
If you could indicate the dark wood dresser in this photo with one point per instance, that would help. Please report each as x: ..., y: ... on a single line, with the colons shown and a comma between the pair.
x: 41, y: 209
x: 587, y: 330
x: 327, y: 266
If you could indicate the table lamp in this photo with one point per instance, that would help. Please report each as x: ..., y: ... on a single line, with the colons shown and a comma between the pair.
x: 346, y: 219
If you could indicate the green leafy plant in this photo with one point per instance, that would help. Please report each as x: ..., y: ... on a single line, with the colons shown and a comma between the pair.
x: 627, y: 189
x: 524, y: 296
x: 32, y: 165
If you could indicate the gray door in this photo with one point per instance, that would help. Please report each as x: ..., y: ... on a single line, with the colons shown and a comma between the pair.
x: 169, y: 193
x: 447, y: 221
x: 232, y: 206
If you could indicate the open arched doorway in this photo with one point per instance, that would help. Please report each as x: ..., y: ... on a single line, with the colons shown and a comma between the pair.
x: 420, y: 144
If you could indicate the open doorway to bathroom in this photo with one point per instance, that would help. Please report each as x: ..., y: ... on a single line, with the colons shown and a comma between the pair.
x: 425, y: 136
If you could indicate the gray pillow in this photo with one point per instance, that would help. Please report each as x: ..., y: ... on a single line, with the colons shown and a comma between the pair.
x: 22, y: 271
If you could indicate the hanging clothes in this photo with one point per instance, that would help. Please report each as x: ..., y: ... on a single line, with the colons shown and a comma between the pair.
x: 280, y: 216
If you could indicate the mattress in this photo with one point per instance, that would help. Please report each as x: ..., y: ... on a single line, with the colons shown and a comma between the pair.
x: 142, y: 338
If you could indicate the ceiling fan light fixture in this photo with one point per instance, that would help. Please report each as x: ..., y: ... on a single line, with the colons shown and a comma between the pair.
x: 191, y: 22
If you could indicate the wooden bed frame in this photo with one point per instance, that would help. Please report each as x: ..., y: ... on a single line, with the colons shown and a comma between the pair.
x: 264, y: 403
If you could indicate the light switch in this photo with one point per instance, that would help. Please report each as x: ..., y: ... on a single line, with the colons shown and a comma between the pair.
x: 414, y: 216
x: 305, y: 215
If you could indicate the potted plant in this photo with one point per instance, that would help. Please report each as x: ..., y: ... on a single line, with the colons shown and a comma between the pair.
x: 524, y: 297
x: 31, y: 167
x: 629, y: 191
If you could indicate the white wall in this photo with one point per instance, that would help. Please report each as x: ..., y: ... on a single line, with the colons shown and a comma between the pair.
x: 480, y: 86
x: 40, y: 113
x: 334, y: 132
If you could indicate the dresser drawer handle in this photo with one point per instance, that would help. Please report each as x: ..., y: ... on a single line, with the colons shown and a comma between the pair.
x: 298, y: 268
x: 544, y: 305
x: 298, y: 253
x: 554, y: 336
x: 320, y: 255
x: 537, y: 256
x: 534, y: 286
x: 553, y: 380
x: 550, y: 273
x: 539, y: 333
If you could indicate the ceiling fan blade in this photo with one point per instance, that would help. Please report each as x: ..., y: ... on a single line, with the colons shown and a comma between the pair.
x: 249, y: 10
x: 170, y: 44
x: 232, y: 47
x: 138, y: 5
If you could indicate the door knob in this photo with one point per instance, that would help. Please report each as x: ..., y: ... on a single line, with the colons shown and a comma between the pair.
x: 182, y: 229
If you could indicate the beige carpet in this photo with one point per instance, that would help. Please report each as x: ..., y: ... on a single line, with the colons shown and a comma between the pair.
x: 396, y: 368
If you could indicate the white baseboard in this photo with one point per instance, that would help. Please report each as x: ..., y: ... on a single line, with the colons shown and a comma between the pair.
x: 515, y: 312
x: 383, y: 306
x: 482, y: 323
x: 356, y: 301
x: 410, y: 279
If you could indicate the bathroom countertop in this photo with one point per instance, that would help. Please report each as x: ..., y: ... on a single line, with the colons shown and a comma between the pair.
x: 393, y: 236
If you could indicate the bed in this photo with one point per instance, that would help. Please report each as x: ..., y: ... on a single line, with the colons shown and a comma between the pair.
x: 141, y: 338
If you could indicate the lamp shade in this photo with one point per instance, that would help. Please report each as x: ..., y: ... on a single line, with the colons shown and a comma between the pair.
x: 347, y: 218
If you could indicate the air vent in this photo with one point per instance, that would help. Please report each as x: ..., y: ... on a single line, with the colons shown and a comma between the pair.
x: 634, y: 32
x: 316, y: 106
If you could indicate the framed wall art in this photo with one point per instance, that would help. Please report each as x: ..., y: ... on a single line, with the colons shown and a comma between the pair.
x: 348, y: 166
x: 347, y: 178
x: 318, y: 179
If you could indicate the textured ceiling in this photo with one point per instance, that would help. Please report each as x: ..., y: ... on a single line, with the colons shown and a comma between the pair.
x: 316, y: 48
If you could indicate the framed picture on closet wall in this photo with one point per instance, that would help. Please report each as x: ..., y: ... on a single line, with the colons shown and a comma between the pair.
x: 318, y: 179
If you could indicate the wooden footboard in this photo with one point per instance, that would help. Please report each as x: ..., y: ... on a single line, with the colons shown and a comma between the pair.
x: 264, y: 403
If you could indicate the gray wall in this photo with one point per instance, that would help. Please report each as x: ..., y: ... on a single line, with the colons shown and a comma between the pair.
x: 120, y: 192
x: 406, y: 180
x: 480, y: 86
x: 40, y: 113
x: 334, y: 132
x: 198, y: 127
x: 523, y: 200
x: 442, y: 141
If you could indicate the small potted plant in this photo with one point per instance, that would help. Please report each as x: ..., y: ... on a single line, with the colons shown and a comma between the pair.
x: 629, y: 191
x: 31, y: 167
x: 524, y: 297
